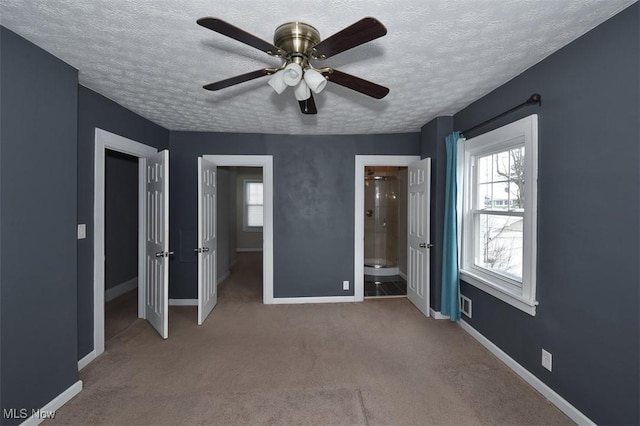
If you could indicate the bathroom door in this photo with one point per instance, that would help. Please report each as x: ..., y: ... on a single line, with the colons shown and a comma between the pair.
x: 419, y: 242
x: 207, y: 239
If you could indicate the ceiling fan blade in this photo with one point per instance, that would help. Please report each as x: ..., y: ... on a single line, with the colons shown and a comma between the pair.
x: 236, y: 33
x: 237, y: 79
x: 361, y: 32
x: 308, y: 106
x: 356, y: 83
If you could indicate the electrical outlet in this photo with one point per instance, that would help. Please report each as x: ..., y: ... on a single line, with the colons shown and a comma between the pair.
x: 547, y: 359
x: 345, y: 285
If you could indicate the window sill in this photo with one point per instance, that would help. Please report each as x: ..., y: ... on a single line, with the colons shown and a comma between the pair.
x: 515, y: 300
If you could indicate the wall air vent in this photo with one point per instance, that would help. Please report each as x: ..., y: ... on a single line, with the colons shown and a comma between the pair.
x: 465, y: 305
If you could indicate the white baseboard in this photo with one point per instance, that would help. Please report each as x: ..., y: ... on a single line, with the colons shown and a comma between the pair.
x: 563, y: 405
x: 437, y: 315
x: 121, y: 289
x: 248, y: 250
x: 223, y: 277
x: 86, y: 360
x: 298, y: 300
x: 183, y: 302
x: 49, y: 410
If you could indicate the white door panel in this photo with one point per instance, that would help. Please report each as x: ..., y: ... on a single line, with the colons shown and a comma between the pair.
x: 419, y: 234
x: 207, y: 239
x: 157, y: 242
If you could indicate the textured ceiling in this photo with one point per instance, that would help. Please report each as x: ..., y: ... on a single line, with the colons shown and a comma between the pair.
x: 438, y: 56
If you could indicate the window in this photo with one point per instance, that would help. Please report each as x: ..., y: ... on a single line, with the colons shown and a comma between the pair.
x: 500, y: 213
x: 253, y: 205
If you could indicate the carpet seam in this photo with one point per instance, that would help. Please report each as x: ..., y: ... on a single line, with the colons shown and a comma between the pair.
x: 362, y: 407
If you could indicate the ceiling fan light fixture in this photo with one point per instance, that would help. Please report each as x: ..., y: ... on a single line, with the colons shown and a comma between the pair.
x: 277, y: 82
x: 315, y: 80
x: 296, y: 44
x: 302, y: 91
x: 292, y: 74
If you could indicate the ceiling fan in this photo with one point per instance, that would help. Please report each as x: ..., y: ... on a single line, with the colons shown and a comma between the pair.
x: 297, y: 44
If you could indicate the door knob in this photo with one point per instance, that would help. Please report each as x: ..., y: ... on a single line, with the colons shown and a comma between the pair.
x: 423, y: 245
x: 164, y: 254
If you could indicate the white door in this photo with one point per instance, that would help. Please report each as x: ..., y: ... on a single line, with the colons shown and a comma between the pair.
x: 419, y: 235
x: 207, y: 239
x: 157, y: 242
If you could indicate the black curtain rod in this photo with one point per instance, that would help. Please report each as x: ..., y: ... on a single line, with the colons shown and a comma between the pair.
x: 533, y: 99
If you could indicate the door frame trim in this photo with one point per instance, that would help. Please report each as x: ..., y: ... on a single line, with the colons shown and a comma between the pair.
x: 361, y: 162
x: 106, y: 140
x: 266, y: 162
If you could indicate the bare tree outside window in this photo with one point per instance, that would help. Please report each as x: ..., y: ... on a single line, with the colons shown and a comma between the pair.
x: 501, y: 184
x: 499, y: 221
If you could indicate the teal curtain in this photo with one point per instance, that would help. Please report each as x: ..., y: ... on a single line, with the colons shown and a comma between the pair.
x: 450, y: 302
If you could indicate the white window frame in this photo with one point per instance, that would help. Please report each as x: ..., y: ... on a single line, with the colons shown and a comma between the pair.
x: 512, y: 135
x: 245, y: 206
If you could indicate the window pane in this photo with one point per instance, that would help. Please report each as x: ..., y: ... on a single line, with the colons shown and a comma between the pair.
x: 499, y: 242
x: 484, y: 197
x: 254, y: 193
x: 500, y: 199
x: 501, y: 166
x: 516, y: 194
x: 254, y: 216
x: 485, y: 169
x: 500, y: 181
x: 517, y: 177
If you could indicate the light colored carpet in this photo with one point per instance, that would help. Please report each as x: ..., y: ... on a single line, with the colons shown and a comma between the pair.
x: 120, y: 313
x: 380, y: 362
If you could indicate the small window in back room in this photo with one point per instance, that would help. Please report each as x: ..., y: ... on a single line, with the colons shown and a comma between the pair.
x: 253, y: 205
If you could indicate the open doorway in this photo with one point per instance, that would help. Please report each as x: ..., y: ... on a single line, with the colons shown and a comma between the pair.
x: 418, y: 228
x: 241, y: 219
x: 240, y: 223
x: 121, y: 242
x: 105, y: 141
x: 362, y: 163
x: 385, y: 231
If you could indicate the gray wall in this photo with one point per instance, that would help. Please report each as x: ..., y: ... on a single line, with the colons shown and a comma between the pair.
x: 94, y: 110
x: 120, y: 219
x: 313, y: 204
x: 432, y: 135
x: 588, y: 236
x: 38, y: 140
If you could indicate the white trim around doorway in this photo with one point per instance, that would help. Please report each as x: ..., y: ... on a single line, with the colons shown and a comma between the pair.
x: 266, y: 162
x: 106, y: 140
x: 361, y: 162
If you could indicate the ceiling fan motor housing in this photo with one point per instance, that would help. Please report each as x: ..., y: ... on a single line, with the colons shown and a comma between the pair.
x: 297, y: 39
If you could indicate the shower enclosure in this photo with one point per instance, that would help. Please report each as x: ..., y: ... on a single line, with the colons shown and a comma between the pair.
x: 384, y: 199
